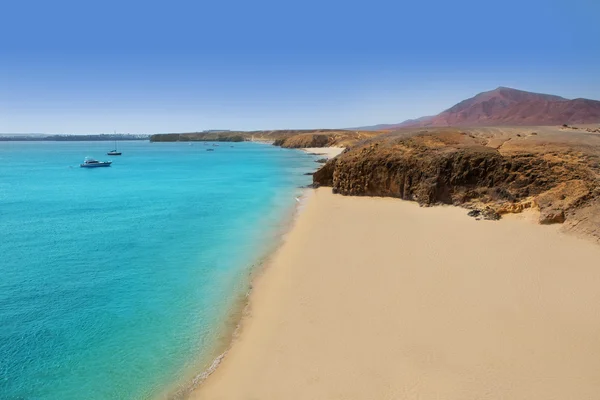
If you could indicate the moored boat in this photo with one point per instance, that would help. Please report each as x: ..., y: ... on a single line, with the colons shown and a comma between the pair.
x: 114, y: 152
x: 92, y: 163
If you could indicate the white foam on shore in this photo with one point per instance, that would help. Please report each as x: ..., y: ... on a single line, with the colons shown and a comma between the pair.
x: 197, y: 380
x: 301, y: 202
x: 452, y: 303
x: 300, y: 205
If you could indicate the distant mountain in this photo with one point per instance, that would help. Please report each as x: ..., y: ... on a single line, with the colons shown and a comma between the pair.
x: 506, y: 106
x: 408, y: 122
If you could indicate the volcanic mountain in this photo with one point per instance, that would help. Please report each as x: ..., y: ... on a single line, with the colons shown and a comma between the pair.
x: 506, y: 106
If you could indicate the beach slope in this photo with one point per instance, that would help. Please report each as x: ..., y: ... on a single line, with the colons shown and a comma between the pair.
x: 378, y: 298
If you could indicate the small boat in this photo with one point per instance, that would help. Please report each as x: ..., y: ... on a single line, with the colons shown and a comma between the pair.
x: 92, y: 163
x: 114, y: 152
x: 210, y: 149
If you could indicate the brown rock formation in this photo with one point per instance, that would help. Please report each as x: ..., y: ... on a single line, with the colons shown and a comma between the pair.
x: 304, y: 140
x: 340, y: 138
x: 561, y: 198
x: 506, y: 170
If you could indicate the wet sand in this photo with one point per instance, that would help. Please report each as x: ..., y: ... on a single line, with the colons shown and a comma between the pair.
x: 374, y: 298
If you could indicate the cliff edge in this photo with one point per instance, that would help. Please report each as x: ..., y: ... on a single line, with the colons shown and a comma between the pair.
x: 492, y: 170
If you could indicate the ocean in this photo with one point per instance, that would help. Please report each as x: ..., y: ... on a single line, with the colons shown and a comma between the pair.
x: 123, y: 282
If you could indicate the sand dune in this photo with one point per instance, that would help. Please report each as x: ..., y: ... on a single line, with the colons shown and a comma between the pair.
x: 374, y: 298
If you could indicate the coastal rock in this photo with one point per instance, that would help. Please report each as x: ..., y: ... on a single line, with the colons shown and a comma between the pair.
x: 425, y: 168
x: 513, y: 208
x: 488, y: 213
x: 565, y: 196
x: 324, y: 175
x: 585, y: 220
x: 557, y: 173
x: 304, y: 141
x: 552, y: 216
x: 340, y: 138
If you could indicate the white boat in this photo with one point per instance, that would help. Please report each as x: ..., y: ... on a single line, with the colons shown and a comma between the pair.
x: 92, y: 163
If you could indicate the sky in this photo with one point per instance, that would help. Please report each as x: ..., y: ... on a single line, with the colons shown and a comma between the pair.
x: 183, y: 66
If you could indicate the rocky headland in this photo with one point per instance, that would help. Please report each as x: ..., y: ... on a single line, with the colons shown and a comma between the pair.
x: 491, y: 170
x: 496, y: 164
x: 340, y: 138
x: 283, y: 138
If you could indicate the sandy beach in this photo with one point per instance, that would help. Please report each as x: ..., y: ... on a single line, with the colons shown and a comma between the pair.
x: 378, y: 298
x: 327, y: 152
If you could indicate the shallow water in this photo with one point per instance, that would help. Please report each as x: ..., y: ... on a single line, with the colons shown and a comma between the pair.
x: 116, y: 282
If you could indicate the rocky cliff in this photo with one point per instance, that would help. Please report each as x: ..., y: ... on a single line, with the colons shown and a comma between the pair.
x: 304, y: 140
x: 341, y: 138
x: 493, y: 169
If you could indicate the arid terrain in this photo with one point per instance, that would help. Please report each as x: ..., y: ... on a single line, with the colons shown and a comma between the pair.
x: 501, y: 151
x: 492, y: 170
x: 376, y: 298
x: 510, y: 107
x: 283, y: 138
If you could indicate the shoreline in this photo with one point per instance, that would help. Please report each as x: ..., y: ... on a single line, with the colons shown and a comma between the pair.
x: 268, y: 333
x: 234, y: 319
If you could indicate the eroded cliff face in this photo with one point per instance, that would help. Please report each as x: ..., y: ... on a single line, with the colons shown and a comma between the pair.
x: 341, y: 138
x: 305, y: 140
x: 483, y: 170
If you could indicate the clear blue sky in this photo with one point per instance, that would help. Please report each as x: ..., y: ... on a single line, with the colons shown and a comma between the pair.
x: 158, y: 66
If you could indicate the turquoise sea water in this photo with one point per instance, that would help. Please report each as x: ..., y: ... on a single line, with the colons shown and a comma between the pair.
x: 116, y: 283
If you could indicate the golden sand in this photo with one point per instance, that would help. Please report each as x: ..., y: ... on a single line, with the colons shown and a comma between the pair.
x: 373, y: 298
x: 327, y: 152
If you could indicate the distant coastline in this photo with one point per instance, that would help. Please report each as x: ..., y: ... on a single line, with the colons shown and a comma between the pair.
x: 35, y: 137
x: 294, y: 138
